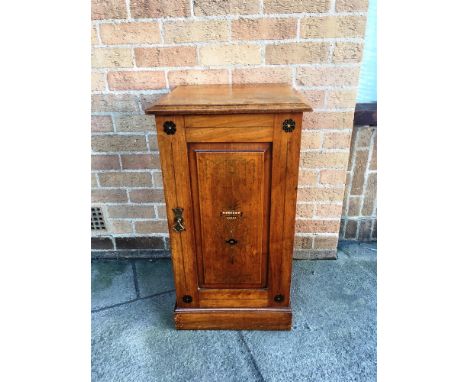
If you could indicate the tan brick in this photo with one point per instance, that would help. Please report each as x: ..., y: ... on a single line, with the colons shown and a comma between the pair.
x: 159, y: 8
x: 147, y: 195
x: 94, y: 37
x: 94, y: 182
x: 297, y: 53
x: 147, y: 100
x: 359, y: 171
x: 307, y: 177
x: 312, y: 194
x: 264, y: 29
x: 324, y: 160
x: 365, y: 229
x: 311, y: 140
x: 328, y: 76
x: 106, y: 195
x: 318, y: 226
x: 328, y: 120
x: 129, y: 123
x: 344, y: 207
x: 351, y: 229
x: 131, y: 211
x: 151, y: 226
x: 354, y: 206
x: 136, y: 80
x: 364, y: 137
x: 130, y: 33
x: 157, y: 179
x: 333, y: 26
x: 105, y: 162
x: 303, y: 242
x: 98, y: 81
x: 101, y: 123
x: 373, y: 161
x: 172, y: 56
x: 125, y: 179
x: 109, y: 143
x: 370, y: 195
x: 290, y: 6
x: 111, y: 58
x: 162, y: 214
x: 325, y: 242
x: 333, y: 177
x: 328, y: 210
x: 198, y: 77
x: 262, y: 75
x: 347, y: 52
x: 196, y: 31
x: 108, y: 9
x: 230, y: 55
x: 140, y: 161
x: 223, y: 7
x: 124, y: 103
x: 351, y: 5
x: 120, y: 226
x: 316, y: 98
x: 305, y: 211
x: 153, y: 143
x: 337, y: 99
x: 336, y: 140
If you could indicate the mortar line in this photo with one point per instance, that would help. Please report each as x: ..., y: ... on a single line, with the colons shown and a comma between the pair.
x: 297, y: 15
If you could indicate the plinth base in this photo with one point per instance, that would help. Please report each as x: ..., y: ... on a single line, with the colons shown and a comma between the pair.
x: 233, y: 318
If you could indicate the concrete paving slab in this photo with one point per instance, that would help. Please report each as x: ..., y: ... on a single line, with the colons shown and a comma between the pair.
x: 138, y: 342
x: 359, y: 250
x: 154, y: 276
x: 111, y: 283
x: 333, y: 336
x: 299, y: 355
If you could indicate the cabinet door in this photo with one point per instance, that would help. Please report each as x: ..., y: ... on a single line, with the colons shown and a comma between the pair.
x: 237, y: 187
x: 231, y: 199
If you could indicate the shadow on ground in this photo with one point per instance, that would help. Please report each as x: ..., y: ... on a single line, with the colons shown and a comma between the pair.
x: 333, y: 336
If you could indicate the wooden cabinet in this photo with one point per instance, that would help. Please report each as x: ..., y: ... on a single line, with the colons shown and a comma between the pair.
x: 230, y: 158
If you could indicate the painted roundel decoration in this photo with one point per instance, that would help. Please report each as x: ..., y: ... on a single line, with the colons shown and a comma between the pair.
x: 169, y: 127
x: 289, y: 125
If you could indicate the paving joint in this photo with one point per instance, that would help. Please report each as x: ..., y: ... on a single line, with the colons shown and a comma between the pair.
x: 130, y: 301
x: 252, y: 358
x: 135, y: 279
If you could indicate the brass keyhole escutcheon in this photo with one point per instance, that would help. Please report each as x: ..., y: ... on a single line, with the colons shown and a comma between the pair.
x: 178, y: 219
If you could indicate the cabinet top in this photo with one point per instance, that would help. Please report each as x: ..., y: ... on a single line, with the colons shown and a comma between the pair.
x: 230, y: 99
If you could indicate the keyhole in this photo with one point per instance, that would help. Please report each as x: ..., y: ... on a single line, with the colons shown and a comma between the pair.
x: 231, y: 241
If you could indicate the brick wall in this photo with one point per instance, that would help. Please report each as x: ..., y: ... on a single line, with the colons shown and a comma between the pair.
x: 359, y: 215
x: 141, y: 49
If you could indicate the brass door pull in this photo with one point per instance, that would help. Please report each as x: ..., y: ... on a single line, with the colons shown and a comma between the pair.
x: 178, y: 219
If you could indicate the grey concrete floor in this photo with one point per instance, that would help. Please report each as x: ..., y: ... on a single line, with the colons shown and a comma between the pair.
x: 333, y: 336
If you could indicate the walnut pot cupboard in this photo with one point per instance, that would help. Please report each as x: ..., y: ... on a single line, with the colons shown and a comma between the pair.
x: 230, y: 156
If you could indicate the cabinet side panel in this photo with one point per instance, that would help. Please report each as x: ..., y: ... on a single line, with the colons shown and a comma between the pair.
x: 174, y: 165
